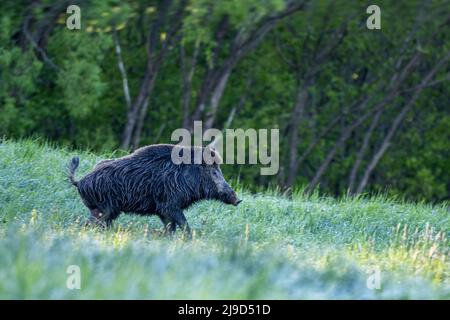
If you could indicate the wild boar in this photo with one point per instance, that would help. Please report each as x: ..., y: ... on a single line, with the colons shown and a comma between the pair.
x: 149, y: 182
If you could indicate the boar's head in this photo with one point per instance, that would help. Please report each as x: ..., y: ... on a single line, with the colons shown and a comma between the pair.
x: 209, y: 179
x: 223, y: 192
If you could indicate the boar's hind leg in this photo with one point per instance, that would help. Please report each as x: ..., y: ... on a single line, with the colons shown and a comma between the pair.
x: 103, y: 217
x: 95, y: 217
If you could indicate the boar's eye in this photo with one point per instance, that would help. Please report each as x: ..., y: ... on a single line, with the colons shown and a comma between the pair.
x: 216, y: 173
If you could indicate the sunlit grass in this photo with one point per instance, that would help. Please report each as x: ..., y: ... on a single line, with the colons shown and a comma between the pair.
x: 271, y: 246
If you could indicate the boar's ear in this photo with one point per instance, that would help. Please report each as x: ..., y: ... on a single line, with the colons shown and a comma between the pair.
x: 213, y: 157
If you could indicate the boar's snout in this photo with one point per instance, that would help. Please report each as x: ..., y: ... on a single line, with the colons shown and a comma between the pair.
x: 230, y: 197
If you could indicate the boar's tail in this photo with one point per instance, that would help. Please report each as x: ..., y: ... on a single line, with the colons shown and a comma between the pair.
x: 73, y: 165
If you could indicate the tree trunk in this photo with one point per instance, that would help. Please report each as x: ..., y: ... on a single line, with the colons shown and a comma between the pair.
x: 138, y: 111
x: 297, y: 114
x: 188, y: 70
x: 393, y: 91
x: 133, y: 112
x: 397, y: 122
x: 316, y: 141
x: 216, y: 97
x: 362, y: 151
x: 141, y: 119
x: 216, y: 79
x: 123, y: 72
x: 339, y: 144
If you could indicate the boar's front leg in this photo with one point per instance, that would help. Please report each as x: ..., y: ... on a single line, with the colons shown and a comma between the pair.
x: 182, y: 223
x: 169, y: 224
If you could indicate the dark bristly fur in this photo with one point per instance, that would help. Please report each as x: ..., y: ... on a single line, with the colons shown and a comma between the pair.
x: 147, y: 182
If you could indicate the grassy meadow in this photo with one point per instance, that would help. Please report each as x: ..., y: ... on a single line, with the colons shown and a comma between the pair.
x: 270, y: 247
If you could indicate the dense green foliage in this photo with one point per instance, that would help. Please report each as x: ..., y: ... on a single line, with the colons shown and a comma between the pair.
x: 268, y: 247
x: 65, y: 85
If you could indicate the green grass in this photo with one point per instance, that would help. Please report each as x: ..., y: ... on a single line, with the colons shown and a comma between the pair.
x: 270, y: 247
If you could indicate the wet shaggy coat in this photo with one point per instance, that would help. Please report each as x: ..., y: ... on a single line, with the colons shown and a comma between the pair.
x: 148, y: 182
